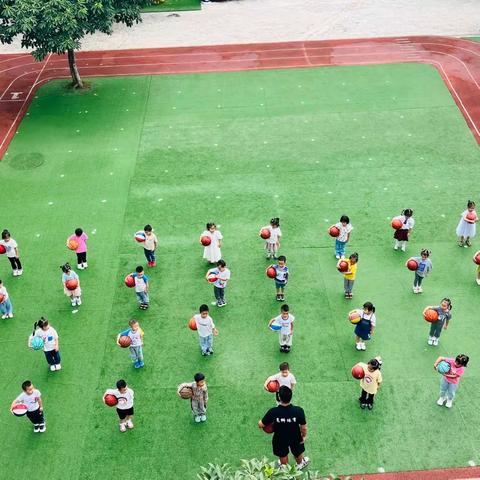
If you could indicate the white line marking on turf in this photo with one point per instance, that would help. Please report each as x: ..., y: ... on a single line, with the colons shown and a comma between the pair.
x: 217, y: 197
x: 217, y: 168
x: 325, y: 219
x: 111, y: 173
x: 94, y: 231
x: 50, y: 203
x: 37, y: 235
x: 276, y: 196
x: 104, y: 201
x: 442, y: 215
x: 385, y: 188
x: 215, y: 144
x: 268, y: 166
x: 160, y: 199
x: 471, y: 463
x: 62, y: 175
x: 388, y: 218
x: 169, y: 146
x: 436, y: 186
x: 74, y: 311
x: 329, y: 193
x: 381, y: 470
x: 166, y: 171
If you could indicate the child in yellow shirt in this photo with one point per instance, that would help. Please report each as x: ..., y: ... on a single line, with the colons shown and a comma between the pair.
x: 350, y: 274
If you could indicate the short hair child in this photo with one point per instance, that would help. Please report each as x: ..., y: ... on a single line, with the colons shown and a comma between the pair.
x: 136, y: 334
x: 199, y: 398
x: 11, y: 249
x: 150, y: 245
x: 222, y: 275
x: 141, y: 287
x: 423, y: 269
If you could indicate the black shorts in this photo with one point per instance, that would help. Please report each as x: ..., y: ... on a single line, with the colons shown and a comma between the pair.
x: 127, y: 412
x: 281, y: 449
x: 36, y: 417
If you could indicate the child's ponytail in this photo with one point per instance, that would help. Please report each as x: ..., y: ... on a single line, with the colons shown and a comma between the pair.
x: 408, y: 212
x: 450, y: 306
x: 470, y: 204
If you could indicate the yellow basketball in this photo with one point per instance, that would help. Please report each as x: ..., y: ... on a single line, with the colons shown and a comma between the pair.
x: 355, y: 316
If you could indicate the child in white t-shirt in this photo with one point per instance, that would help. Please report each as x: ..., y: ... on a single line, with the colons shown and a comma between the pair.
x: 206, y: 330
x: 11, y: 249
x: 73, y: 295
x: 285, y: 321
x: 49, y: 335
x: 141, y: 288
x: 135, y: 333
x: 212, y: 252
x: 403, y: 233
x: 150, y: 246
x: 124, y: 396
x: 31, y: 398
x: 272, y: 243
x: 284, y: 377
x: 6, y: 307
x: 222, y: 276
x: 341, y: 241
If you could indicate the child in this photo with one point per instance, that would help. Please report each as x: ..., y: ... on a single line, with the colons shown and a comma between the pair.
x: 141, y: 288
x: 366, y: 326
x: 423, y: 269
x: 222, y: 274
x: 49, y: 335
x: 281, y: 277
x: 284, y: 377
x: 449, y: 382
x: 135, y: 333
x: 466, y: 227
x: 341, y: 241
x: 444, y: 317
x: 350, y: 274
x: 150, y: 246
x: 212, y: 252
x: 31, y: 397
x: 272, y: 243
x: 199, y: 398
x: 81, y: 238
x: 402, y: 235
x: 11, y: 248
x: 125, y: 398
x: 285, y: 320
x: 370, y: 382
x: 206, y: 330
x: 5, y: 303
x: 74, y: 295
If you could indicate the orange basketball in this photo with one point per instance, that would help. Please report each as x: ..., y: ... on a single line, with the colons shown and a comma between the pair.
x: 72, y: 244
x: 396, y: 223
x: 129, y: 281
x: 206, y: 241
x: 412, y: 265
x: 71, y: 284
x: 125, y: 341
x: 2, y: 298
x: 273, y: 386
x: 268, y: 428
x: 192, y: 324
x: 470, y: 217
x: 334, y: 231
x: 271, y: 272
x: 342, y: 266
x: 265, y: 233
x: 476, y: 258
x: 430, y: 315
x: 2, y: 249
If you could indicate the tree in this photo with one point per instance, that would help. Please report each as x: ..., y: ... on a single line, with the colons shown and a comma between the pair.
x: 58, y: 26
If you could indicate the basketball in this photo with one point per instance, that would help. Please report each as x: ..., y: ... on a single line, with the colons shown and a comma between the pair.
x: 334, y: 231
x: 470, y: 217
x: 110, y: 400
x: 2, y: 249
x: 125, y: 341
x: 205, y: 241
x: 476, y: 258
x: 342, y: 266
x: 443, y: 367
x: 71, y: 284
x: 275, y: 327
x: 354, y: 316
x: 273, y: 386
x: 430, y: 315
x: 72, y: 244
x: 268, y: 428
x: 358, y: 372
x: 185, y: 392
x: 265, y: 233
x: 271, y: 272
x: 212, y: 278
x: 129, y: 281
x: 2, y: 298
x: 37, y: 343
x: 19, y: 409
x: 396, y: 223
x: 140, y: 236
x: 192, y: 324
x: 412, y: 264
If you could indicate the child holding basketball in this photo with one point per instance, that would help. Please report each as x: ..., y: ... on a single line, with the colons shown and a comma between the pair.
x: 212, y: 252
x: 73, y: 295
x: 135, y: 333
x: 11, y: 249
x: 283, y: 377
x: 222, y: 275
x: 281, y: 277
x: 402, y: 235
x: 199, y: 397
x: 444, y: 317
x: 366, y: 326
x: 466, y: 228
x: 150, y: 245
x: 341, y: 241
x: 350, y: 275
x: 423, y: 269
x: 449, y: 381
x: 272, y: 243
x: 285, y: 321
x: 370, y: 383
x: 6, y: 307
x: 32, y: 399
x: 49, y: 335
x: 141, y: 288
x: 81, y: 238
x: 124, y: 396
x: 206, y: 330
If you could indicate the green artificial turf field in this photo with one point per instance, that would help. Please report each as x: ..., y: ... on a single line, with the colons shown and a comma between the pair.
x: 174, y: 6
x: 176, y: 151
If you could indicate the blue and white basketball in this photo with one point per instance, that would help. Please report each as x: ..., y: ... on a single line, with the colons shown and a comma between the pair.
x: 443, y: 367
x: 275, y: 327
x: 37, y: 343
x: 140, y: 236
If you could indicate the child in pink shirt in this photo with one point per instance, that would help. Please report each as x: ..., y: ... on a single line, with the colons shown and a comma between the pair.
x: 81, y: 238
x: 449, y: 382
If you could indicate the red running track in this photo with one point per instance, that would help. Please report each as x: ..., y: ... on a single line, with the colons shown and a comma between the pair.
x: 458, y: 62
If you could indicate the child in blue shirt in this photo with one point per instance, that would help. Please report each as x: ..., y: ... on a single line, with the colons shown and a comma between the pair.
x: 135, y: 333
x: 141, y: 287
x: 281, y: 277
x: 423, y: 269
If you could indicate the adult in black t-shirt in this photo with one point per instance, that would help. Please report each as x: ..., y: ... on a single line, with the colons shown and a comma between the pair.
x: 289, y: 429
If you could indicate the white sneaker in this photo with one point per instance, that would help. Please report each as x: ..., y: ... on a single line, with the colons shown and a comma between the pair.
x: 441, y: 401
x: 419, y: 290
x: 395, y: 247
x: 303, y: 463
x: 203, y: 418
x: 52, y: 368
x: 358, y: 346
x: 80, y: 266
x: 198, y: 419
x: 435, y: 341
x: 42, y: 428
x: 337, y: 257
x: 15, y: 273
x: 449, y: 403
x: 430, y: 340
x: 364, y: 347
x: 129, y: 424
x: 478, y: 281
x: 10, y: 315
x: 79, y: 301
x: 4, y: 316
x: 85, y: 265
x: 19, y: 272
x: 58, y: 367
x: 415, y: 289
x: 123, y: 428
x: 74, y: 303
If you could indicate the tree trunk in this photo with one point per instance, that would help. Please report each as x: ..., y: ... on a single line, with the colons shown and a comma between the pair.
x: 72, y: 63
